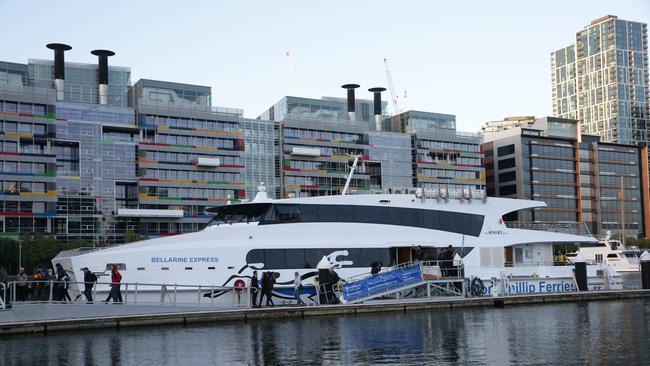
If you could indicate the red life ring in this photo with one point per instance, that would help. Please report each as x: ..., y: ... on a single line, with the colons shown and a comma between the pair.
x: 239, y: 284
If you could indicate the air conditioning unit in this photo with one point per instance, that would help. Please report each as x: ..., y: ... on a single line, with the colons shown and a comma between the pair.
x: 305, y: 151
x: 208, y: 162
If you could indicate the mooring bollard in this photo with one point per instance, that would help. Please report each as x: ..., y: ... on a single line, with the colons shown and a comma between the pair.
x: 645, y: 270
x: 580, y: 273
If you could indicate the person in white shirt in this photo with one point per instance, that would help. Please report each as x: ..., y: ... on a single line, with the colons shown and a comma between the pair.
x: 297, y: 285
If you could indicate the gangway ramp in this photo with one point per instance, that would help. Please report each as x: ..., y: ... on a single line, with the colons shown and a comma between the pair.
x: 399, y: 280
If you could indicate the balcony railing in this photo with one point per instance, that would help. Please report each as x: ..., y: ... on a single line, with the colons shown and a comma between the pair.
x: 575, y: 228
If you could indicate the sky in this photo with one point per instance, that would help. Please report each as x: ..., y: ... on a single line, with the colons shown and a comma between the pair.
x: 479, y: 60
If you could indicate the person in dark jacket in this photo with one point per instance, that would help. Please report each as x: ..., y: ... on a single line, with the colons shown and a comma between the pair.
x: 269, y: 289
x: 330, y: 286
x: 255, y: 286
x: 89, y: 281
x: 418, y: 254
x: 263, y: 289
x: 61, y: 287
x: 446, y: 258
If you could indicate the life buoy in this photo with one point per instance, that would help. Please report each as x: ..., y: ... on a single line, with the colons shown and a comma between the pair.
x: 239, y: 284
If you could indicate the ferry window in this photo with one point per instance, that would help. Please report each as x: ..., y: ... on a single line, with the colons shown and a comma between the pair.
x: 462, y: 223
x: 120, y: 266
x: 309, y: 213
x: 188, y: 268
x: 255, y: 256
x: 363, y: 214
x: 327, y: 213
x: 429, y: 219
x: 287, y: 213
x: 140, y: 268
x: 274, y: 258
x: 240, y: 213
x: 345, y: 213
x: 308, y: 258
x: 312, y: 257
x: 164, y: 269
x: 211, y: 267
x: 381, y: 215
x: 295, y: 258
x: 612, y: 255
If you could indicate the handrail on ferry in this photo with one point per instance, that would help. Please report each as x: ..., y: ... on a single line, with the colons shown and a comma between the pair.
x: 44, y: 291
x: 3, y: 299
x: 578, y: 228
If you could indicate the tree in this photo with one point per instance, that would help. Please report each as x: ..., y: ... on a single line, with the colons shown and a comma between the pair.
x: 131, y: 236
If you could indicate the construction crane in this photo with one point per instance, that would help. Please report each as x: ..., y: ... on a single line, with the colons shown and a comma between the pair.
x: 405, y: 101
x: 294, y: 77
x: 391, y: 88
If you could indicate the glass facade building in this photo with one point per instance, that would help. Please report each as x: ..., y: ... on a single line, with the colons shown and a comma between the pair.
x: 451, y: 160
x: 417, y: 121
x: 577, y: 176
x: 150, y: 160
x: 317, y: 154
x: 27, y: 158
x: 190, y: 156
x: 602, y: 80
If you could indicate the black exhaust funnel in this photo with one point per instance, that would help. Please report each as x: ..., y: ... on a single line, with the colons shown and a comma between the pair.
x: 377, y: 105
x: 102, y: 73
x: 351, y: 100
x: 59, y: 67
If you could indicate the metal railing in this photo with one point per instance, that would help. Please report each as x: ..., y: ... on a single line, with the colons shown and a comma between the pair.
x: 442, y: 264
x: 3, y: 298
x: 576, y: 228
x: 162, y: 294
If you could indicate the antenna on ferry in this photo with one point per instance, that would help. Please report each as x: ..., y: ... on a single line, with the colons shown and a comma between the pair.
x: 261, y: 195
x: 348, y: 179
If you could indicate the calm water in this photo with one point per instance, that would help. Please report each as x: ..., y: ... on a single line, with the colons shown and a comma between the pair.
x: 611, y: 332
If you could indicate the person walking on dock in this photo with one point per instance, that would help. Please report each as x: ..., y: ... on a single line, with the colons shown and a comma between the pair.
x: 269, y: 289
x: 255, y: 287
x: 297, y: 285
x: 115, y: 293
x: 89, y: 281
x: 61, y: 286
x: 265, y: 285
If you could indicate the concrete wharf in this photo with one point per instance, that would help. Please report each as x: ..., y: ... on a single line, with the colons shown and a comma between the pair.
x: 44, y: 318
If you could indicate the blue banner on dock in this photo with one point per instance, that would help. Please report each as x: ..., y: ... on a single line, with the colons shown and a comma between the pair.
x: 381, y: 282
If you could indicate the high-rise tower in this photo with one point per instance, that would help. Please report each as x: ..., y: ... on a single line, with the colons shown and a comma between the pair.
x: 602, y: 80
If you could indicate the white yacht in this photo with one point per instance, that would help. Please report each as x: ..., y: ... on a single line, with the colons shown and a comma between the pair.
x: 351, y: 231
x: 610, y: 252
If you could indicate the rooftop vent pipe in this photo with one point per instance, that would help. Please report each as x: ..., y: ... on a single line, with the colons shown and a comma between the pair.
x: 377, y: 105
x: 59, y: 67
x: 102, y: 74
x: 351, y: 100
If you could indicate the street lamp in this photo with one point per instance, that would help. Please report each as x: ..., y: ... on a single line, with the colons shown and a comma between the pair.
x: 20, y: 254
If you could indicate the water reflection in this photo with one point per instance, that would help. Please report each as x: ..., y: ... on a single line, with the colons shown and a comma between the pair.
x: 613, y: 332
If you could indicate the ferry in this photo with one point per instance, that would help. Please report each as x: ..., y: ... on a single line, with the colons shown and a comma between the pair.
x: 352, y: 232
x: 611, y: 252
